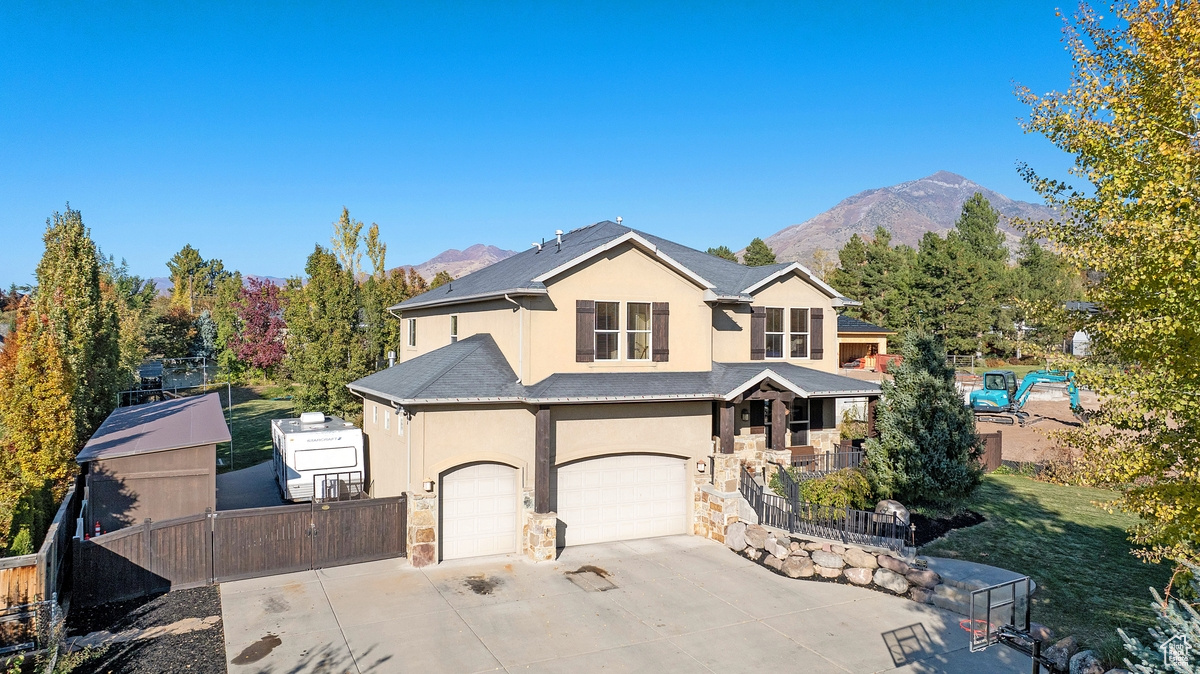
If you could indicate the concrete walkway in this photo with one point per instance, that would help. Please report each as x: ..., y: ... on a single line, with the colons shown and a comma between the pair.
x: 675, y: 604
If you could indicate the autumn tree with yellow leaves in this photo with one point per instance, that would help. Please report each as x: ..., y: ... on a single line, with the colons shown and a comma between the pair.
x: 1131, y: 118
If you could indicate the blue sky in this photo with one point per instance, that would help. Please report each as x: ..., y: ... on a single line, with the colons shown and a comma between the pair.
x: 244, y: 130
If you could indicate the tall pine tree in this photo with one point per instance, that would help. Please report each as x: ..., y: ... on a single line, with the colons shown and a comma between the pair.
x: 927, y: 451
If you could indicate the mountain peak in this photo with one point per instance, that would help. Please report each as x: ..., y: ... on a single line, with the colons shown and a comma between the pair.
x: 907, y: 210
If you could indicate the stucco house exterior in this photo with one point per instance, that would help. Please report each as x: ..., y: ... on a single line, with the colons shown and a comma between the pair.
x: 585, y: 389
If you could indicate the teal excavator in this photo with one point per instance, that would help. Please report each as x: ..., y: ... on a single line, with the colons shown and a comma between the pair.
x: 1001, y: 400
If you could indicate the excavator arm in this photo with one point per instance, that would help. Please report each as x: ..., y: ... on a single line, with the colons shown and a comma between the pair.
x: 1047, y: 377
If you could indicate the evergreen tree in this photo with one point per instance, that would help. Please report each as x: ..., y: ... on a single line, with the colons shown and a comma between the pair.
x: 1177, y: 622
x: 758, y: 254
x: 85, y: 322
x: 325, y: 340
x: 194, y: 279
x: 441, y: 278
x: 1041, y: 281
x: 848, y: 277
x: 927, y: 451
x: 723, y: 252
x: 887, y: 279
x: 953, y: 301
x: 978, y: 227
x: 205, y: 343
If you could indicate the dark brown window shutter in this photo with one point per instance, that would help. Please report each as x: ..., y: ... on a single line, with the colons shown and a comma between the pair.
x: 660, y: 334
x: 585, y: 331
x: 758, y: 333
x: 817, y: 336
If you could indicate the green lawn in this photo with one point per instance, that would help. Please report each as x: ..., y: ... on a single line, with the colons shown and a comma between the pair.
x: 253, y: 410
x: 1088, y: 582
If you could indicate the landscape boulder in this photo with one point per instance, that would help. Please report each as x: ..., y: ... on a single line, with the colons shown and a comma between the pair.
x: 892, y: 564
x: 797, y: 566
x: 860, y: 558
x: 735, y: 536
x: 923, y: 577
x: 836, y: 549
x: 813, y: 545
x: 858, y: 576
x: 827, y: 559
x: 921, y: 595
x: 756, y: 536
x: 794, y: 546
x: 1086, y: 662
x: 892, y: 507
x: 1040, y: 632
x: 1062, y: 652
x: 773, y: 562
x: 826, y: 572
x: 890, y: 580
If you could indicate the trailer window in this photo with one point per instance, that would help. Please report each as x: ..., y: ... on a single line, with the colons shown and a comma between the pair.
x: 326, y: 458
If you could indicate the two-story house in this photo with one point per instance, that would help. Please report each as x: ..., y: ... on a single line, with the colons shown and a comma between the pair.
x: 589, y: 382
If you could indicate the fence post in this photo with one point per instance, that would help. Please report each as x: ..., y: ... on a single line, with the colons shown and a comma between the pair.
x: 149, y: 552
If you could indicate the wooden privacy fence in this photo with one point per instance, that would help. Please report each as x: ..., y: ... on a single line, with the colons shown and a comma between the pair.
x: 234, y: 544
x: 993, y: 449
x: 29, y: 584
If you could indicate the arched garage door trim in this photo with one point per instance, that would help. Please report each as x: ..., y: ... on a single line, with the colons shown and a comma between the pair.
x: 479, y: 510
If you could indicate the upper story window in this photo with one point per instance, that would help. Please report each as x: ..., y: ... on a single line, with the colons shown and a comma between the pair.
x: 453, y: 328
x: 412, y: 332
x: 608, y: 330
x: 387, y: 419
x: 637, y: 328
x: 374, y: 414
x: 798, y: 335
x: 774, y: 332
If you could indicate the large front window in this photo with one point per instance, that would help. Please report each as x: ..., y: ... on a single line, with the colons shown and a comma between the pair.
x: 608, y: 330
x: 799, y: 333
x: 637, y: 328
x: 774, y: 332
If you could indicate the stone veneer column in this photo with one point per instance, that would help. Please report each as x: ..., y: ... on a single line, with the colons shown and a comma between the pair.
x: 714, y: 512
x: 422, y: 529
x: 541, y: 536
x: 726, y: 472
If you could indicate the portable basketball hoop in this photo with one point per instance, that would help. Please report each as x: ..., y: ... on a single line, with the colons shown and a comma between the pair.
x: 1000, y: 615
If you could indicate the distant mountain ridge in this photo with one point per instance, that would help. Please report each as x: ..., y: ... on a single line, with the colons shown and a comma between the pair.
x: 907, y: 210
x: 459, y: 263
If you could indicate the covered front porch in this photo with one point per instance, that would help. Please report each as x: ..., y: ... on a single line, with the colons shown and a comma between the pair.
x: 770, y: 415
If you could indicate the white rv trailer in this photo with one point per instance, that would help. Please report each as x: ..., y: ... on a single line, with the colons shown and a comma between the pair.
x: 317, y: 452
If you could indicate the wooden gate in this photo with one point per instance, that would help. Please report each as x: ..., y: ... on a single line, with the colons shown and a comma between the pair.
x: 993, y: 450
x: 235, y: 544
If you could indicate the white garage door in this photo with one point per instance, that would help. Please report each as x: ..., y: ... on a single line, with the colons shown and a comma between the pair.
x: 479, y: 511
x: 616, y: 498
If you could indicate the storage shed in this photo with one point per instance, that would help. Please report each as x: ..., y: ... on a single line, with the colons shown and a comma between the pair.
x: 157, y: 460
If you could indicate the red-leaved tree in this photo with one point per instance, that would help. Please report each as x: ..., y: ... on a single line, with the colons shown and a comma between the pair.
x: 259, y: 309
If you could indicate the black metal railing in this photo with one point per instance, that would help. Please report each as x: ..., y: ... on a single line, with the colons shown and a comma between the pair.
x: 817, y: 465
x: 790, y: 513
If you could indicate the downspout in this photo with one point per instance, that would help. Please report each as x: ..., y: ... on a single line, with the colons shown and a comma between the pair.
x: 520, y: 337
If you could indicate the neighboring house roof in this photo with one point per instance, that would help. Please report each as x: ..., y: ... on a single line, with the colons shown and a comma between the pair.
x: 848, y: 324
x: 158, y: 427
x: 475, y: 371
x: 526, y: 272
x: 1087, y: 307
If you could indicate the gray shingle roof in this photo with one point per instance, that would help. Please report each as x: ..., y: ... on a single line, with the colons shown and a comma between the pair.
x: 848, y: 324
x: 158, y: 427
x: 474, y: 370
x: 516, y: 275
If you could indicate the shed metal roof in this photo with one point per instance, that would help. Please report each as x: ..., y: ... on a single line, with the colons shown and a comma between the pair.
x: 158, y: 427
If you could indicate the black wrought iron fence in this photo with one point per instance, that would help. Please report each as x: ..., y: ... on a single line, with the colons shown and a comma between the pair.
x: 817, y: 465
x: 788, y: 512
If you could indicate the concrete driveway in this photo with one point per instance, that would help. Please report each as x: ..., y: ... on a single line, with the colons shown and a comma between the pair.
x: 675, y: 604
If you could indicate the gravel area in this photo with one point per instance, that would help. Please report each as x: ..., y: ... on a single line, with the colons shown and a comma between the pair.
x: 199, y: 651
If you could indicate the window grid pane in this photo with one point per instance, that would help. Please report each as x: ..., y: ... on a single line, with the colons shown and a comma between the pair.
x: 637, y: 325
x: 608, y: 315
x: 799, y: 334
x: 774, y: 320
x: 606, y: 345
x: 775, y: 346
